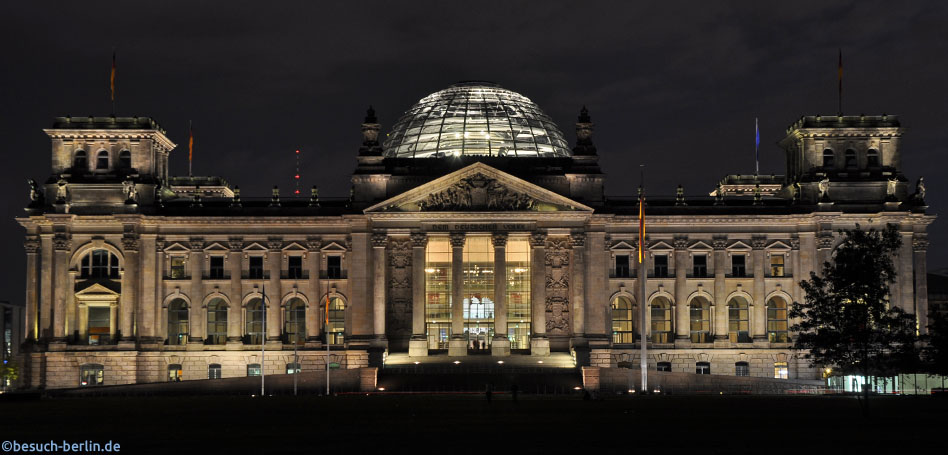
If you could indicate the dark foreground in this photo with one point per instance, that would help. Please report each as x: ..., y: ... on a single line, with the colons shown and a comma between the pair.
x: 468, y: 424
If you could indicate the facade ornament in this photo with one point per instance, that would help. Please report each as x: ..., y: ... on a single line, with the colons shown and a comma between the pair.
x: 795, y: 192
x: 758, y: 242
x: 719, y: 243
x: 419, y: 239
x: 824, y: 189
x: 36, y: 197
x: 131, y: 193
x: 890, y: 186
x: 314, y: 196
x: 31, y: 244
x: 196, y: 201
x: 235, y: 244
x: 275, y: 196
x: 130, y: 242
x: 196, y: 244
x: 824, y: 240
x: 235, y: 201
x: 314, y: 243
x: 577, y: 239
x: 370, y: 129
x: 538, y: 239
x: 719, y: 195
x: 159, y: 245
x: 795, y: 242
x: 680, y: 196
x: 758, y: 200
x: 920, y: 190
x: 379, y: 240
x: 274, y: 243
x: 477, y: 192
x: 680, y: 243
x: 62, y: 241
x: 457, y: 239
x: 400, y: 257
x: 584, y: 134
x: 62, y: 193
x: 920, y: 242
x: 499, y: 239
x: 557, y: 252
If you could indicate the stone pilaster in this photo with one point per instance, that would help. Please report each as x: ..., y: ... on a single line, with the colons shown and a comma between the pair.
x: 379, y: 244
x: 905, y: 273
x: 500, y: 345
x: 682, y: 321
x: 758, y: 310
x: 539, y: 343
x: 160, y: 332
x: 145, y: 307
x: 919, y: 253
x: 196, y: 324
x: 45, y: 303
x: 274, y: 318
x: 62, y: 243
x: 457, y: 345
x: 418, y: 345
x: 797, y: 272
x: 316, y: 301
x: 234, y: 314
x: 130, y: 291
x: 31, y: 318
x: 720, y: 292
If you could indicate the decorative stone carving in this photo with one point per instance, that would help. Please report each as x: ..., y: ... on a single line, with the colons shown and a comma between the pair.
x: 62, y: 193
x: 62, y: 241
x: 274, y: 244
x: 920, y: 242
x: 400, y: 253
x: 370, y: 128
x: 314, y: 243
x: 758, y: 242
x: 131, y: 192
x: 31, y: 244
x: 235, y: 244
x: 824, y: 189
x: 314, y: 197
x: 719, y: 243
x: 130, y: 242
x: 890, y: 186
x: 196, y: 244
x: 399, y: 295
x: 478, y: 192
x: 499, y: 239
x: 824, y: 240
x: 680, y: 243
x: 419, y: 240
x: 577, y: 239
x: 457, y: 239
x: 159, y: 245
x: 235, y: 202
x: 795, y: 242
x: 680, y: 196
x: 557, y: 285
x: 36, y: 197
x: 538, y: 239
x: 557, y: 254
x: 379, y: 240
x: 920, y: 190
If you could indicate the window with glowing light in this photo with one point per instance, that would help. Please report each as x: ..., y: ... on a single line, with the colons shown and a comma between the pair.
x: 294, y: 329
x: 91, y: 374
x: 438, y: 292
x: 623, y: 331
x: 255, y: 331
x: 216, y: 322
x: 661, y: 320
x: 781, y: 371
x: 478, y: 282
x: 337, y: 321
x: 777, y: 321
x: 178, y: 322
x: 738, y: 324
x: 700, y: 313
x: 518, y: 292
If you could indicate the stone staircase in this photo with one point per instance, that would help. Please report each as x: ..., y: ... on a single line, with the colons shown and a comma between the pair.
x: 554, y: 374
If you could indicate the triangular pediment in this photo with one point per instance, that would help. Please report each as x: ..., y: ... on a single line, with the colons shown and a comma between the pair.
x: 333, y: 246
x: 294, y: 246
x: 176, y: 247
x: 739, y: 245
x: 778, y: 245
x: 479, y: 188
x: 96, y: 291
x: 622, y: 245
x: 216, y: 246
x: 699, y: 246
x: 255, y: 246
x: 660, y: 245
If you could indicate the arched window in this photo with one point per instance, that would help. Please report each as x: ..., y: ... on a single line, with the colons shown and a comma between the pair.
x: 664, y: 366
x: 828, y: 159
x: 178, y: 322
x: 337, y: 321
x: 742, y: 369
x: 91, y: 374
x: 622, y: 327
x: 79, y: 161
x: 777, y: 320
x: 99, y: 264
x: 216, y: 322
x: 700, y: 320
x: 850, y: 158
x: 661, y: 320
x: 872, y: 158
x: 703, y: 368
x: 295, y: 321
x: 738, y: 324
x: 125, y: 160
x: 175, y: 372
x: 253, y: 369
x: 255, y: 330
x: 102, y: 160
x: 214, y: 371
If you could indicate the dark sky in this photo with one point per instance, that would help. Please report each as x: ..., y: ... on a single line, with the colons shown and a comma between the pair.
x: 673, y: 85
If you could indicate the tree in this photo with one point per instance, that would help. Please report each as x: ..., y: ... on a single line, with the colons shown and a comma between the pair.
x: 9, y: 371
x: 846, y: 321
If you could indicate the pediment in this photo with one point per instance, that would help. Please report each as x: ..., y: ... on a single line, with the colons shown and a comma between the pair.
x: 333, y: 246
x: 738, y: 245
x: 294, y: 246
x: 176, y: 247
x: 660, y: 245
x: 255, y: 246
x: 622, y: 245
x: 700, y: 246
x: 96, y: 291
x: 778, y: 245
x: 478, y: 188
x: 216, y: 246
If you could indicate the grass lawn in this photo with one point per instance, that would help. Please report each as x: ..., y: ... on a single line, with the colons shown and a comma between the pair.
x: 468, y: 424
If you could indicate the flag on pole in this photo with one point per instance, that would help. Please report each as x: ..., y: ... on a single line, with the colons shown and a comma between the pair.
x: 190, y: 146
x: 756, y: 147
x: 112, y: 78
x: 641, y: 226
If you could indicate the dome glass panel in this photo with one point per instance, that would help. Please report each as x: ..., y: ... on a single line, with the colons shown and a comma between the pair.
x: 475, y: 118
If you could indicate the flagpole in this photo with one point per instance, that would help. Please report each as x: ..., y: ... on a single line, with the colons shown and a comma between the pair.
x: 112, y: 82
x: 841, y: 81
x: 190, y: 146
x: 263, y: 340
x: 327, y: 339
x: 756, y: 148
x: 643, y: 275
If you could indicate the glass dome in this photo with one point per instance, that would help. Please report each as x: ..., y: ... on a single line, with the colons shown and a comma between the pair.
x: 475, y: 118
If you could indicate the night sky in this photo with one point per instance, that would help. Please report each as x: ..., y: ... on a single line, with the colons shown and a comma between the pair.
x: 674, y: 86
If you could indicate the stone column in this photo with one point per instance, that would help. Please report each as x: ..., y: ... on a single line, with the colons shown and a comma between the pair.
x: 71, y: 316
x: 500, y: 345
x: 577, y: 286
x: 379, y: 243
x: 145, y: 310
x: 316, y: 301
x: 31, y: 318
x: 45, y: 301
x: 539, y: 343
x: 457, y: 345
x: 682, y: 315
x: 83, y: 324
x: 62, y: 243
x: 796, y: 292
x: 234, y: 313
x: 130, y: 300
x: 274, y: 316
x: 919, y: 249
x: 196, y: 320
x: 160, y: 330
x: 759, y: 309
x: 720, y: 292
x: 418, y: 345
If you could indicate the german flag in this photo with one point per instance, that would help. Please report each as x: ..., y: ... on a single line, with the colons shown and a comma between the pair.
x: 112, y: 78
x: 641, y: 226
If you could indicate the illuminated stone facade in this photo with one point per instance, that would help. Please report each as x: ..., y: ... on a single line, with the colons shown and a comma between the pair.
x: 134, y: 276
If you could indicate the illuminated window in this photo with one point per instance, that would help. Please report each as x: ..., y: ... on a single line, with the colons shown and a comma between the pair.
x: 214, y: 371
x: 518, y: 292
x: 293, y: 368
x: 661, y: 320
x: 438, y: 292
x: 776, y: 265
x: 255, y: 330
x: 781, y: 371
x: 253, y: 369
x: 700, y: 268
x: 622, y: 266
x: 742, y: 369
x: 99, y: 264
x: 216, y: 322
x: 623, y: 331
x: 664, y: 366
x: 828, y: 158
x: 700, y: 320
x: 91, y: 374
x: 478, y: 285
x: 337, y: 321
x: 777, y: 321
x: 175, y: 373
x: 99, y: 324
x: 177, y: 268
x: 702, y: 368
x: 177, y: 322
x: 737, y: 320
x: 295, y: 321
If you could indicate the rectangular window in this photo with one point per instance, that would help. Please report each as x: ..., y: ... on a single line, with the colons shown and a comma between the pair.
x: 334, y: 267
x: 438, y: 268
x: 742, y: 369
x: 781, y: 371
x: 294, y: 267
x: 661, y: 265
x: 255, y: 268
x: 214, y: 371
x: 622, y: 266
x: 177, y: 268
x: 216, y: 270
x: 253, y: 369
x: 702, y: 368
x: 776, y: 265
x: 99, y: 324
x: 738, y: 267
x: 518, y: 292
x: 175, y: 373
x: 700, y: 269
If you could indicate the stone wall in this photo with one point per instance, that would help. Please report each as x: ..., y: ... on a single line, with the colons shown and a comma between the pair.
x: 620, y: 380
x: 760, y: 361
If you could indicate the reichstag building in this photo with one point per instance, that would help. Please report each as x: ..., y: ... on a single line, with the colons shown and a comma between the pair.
x: 474, y: 228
